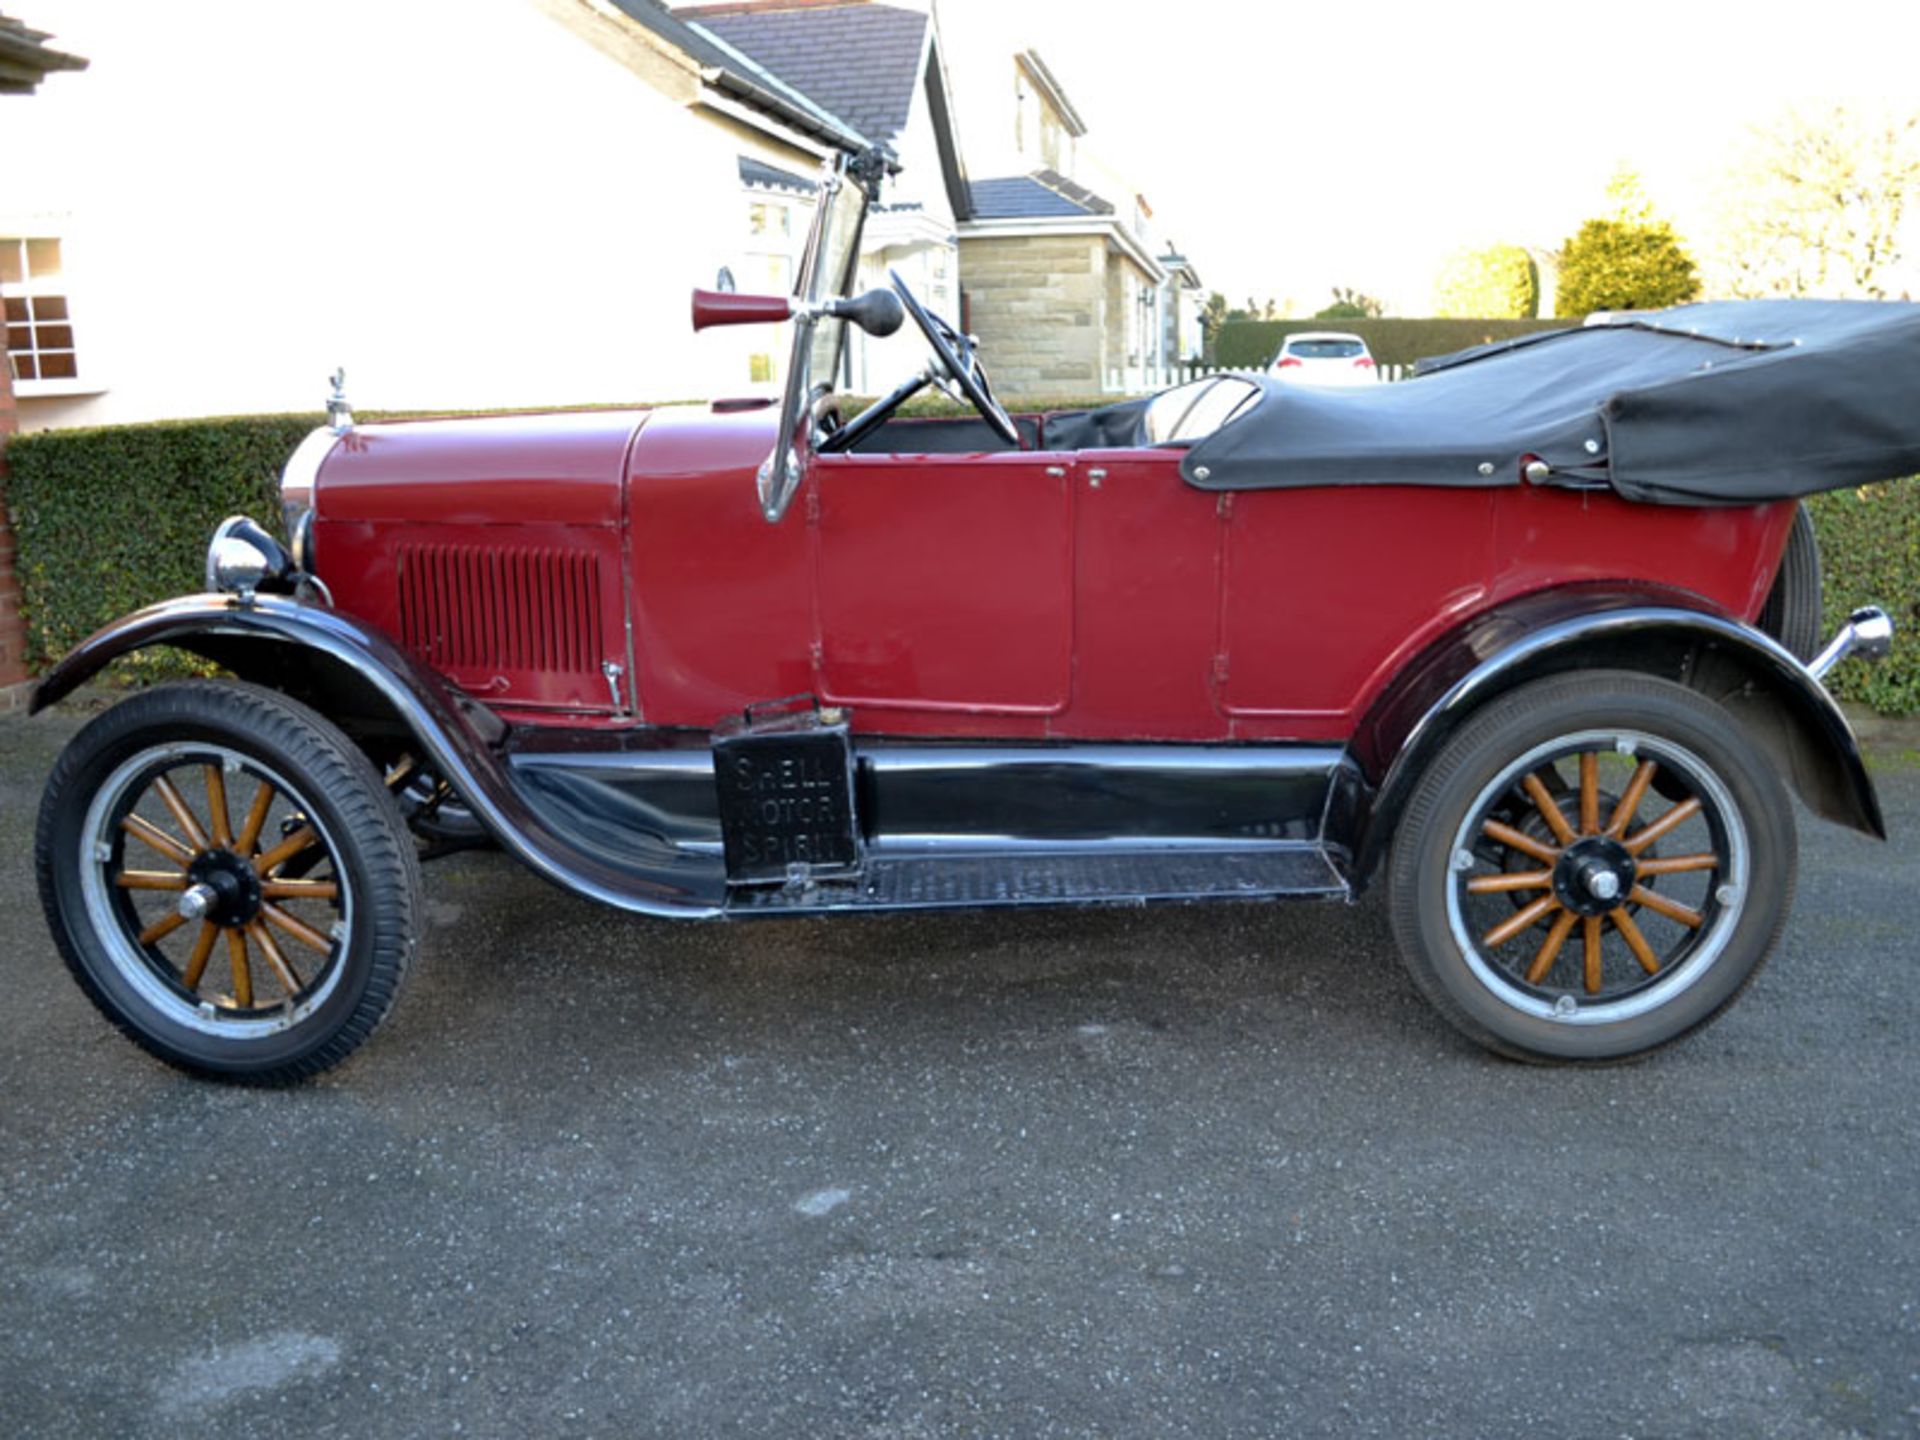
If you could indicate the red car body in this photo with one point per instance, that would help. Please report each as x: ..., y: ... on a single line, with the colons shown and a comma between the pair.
x: 1033, y: 595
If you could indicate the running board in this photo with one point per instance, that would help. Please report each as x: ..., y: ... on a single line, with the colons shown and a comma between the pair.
x: 944, y: 880
x: 623, y: 815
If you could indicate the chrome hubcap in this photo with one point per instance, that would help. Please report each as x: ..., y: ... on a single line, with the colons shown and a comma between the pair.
x: 196, y: 901
x: 1604, y: 875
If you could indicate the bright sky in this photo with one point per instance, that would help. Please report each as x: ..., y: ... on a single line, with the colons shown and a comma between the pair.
x: 1291, y: 147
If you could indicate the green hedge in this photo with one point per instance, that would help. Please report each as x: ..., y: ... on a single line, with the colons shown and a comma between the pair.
x: 112, y: 518
x: 1870, y: 555
x: 1393, y: 342
x: 107, y: 520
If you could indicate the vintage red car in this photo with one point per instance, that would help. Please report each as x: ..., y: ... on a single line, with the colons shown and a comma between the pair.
x: 1488, y: 635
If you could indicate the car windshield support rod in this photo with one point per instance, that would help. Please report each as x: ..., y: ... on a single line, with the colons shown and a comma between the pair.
x: 780, y: 472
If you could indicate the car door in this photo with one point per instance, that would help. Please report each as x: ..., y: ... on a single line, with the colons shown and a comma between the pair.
x: 1326, y: 591
x: 944, y: 583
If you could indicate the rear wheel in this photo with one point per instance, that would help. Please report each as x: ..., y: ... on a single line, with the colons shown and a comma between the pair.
x: 228, y: 880
x: 1792, y: 612
x: 1593, y: 868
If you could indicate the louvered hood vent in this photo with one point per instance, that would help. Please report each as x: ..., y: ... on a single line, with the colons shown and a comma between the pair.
x: 523, y: 614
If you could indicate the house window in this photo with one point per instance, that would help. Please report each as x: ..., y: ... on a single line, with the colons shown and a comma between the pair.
x: 769, y: 253
x: 33, y: 293
x: 769, y: 217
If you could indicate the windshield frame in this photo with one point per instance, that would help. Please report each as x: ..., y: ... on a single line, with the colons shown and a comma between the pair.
x: 842, y: 184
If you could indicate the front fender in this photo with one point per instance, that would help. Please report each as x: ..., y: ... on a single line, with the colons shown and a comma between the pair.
x: 273, y: 638
x: 1655, y: 631
x: 208, y: 625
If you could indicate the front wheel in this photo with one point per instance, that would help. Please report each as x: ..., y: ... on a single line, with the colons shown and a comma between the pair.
x: 1594, y: 867
x: 228, y: 880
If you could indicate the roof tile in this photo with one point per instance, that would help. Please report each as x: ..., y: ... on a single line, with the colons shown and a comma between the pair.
x: 860, y: 61
x: 1043, y: 195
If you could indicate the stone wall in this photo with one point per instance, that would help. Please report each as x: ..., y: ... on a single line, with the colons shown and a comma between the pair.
x: 1116, y: 350
x: 13, y: 633
x: 1037, y: 303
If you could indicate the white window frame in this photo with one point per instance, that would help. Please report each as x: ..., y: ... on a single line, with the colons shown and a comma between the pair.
x: 758, y: 256
x: 30, y: 290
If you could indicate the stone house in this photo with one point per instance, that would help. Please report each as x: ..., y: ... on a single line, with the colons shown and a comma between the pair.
x: 1058, y: 288
x: 1183, y: 299
x: 880, y: 67
x: 1063, y: 284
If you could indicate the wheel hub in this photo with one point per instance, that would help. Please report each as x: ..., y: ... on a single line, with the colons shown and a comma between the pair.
x: 222, y: 888
x: 1593, y: 875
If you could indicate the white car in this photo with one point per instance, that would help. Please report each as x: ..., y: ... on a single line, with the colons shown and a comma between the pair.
x: 1324, y: 357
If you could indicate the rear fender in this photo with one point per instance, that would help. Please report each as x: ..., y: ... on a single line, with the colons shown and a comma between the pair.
x: 1654, y: 631
x: 357, y: 677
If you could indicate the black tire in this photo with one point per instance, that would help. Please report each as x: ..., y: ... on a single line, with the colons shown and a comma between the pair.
x: 1792, y: 614
x: 1457, y: 891
x: 330, y: 965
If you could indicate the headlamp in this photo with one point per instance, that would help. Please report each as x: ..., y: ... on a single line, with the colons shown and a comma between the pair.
x: 243, y: 558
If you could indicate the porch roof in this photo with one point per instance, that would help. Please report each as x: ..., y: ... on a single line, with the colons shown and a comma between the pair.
x: 26, y: 59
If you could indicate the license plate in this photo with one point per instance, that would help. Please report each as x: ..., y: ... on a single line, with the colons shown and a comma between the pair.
x: 786, y: 797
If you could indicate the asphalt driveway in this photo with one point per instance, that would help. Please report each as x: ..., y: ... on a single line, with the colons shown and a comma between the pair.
x: 1211, y: 1172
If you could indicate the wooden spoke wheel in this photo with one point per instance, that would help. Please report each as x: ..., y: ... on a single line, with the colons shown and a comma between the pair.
x: 191, y: 849
x: 228, y: 879
x: 1595, y: 911
x: 1592, y: 867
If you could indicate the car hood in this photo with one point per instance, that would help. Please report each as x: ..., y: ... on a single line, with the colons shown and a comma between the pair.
x: 566, y: 468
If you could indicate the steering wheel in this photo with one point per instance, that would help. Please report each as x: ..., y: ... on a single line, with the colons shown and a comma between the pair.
x: 956, y: 360
x: 955, y: 368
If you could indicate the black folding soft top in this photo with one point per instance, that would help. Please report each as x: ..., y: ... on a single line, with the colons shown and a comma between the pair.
x: 1722, y: 403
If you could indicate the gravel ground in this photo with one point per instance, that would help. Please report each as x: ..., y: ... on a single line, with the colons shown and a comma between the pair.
x: 1210, y: 1172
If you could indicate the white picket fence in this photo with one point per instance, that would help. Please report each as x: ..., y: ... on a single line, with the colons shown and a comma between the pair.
x: 1144, y: 379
